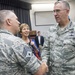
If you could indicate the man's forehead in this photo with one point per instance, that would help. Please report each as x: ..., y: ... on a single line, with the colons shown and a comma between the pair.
x: 58, y: 6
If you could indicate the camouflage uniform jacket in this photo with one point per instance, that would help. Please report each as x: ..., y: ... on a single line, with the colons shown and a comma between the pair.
x: 59, y: 46
x: 16, y: 56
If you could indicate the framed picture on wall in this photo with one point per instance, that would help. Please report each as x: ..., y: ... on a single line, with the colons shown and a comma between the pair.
x: 44, y: 18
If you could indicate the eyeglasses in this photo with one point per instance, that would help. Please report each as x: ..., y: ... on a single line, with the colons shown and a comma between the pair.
x: 57, y: 11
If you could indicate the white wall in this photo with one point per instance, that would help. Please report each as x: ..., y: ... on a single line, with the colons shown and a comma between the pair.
x: 42, y: 28
x: 72, y: 10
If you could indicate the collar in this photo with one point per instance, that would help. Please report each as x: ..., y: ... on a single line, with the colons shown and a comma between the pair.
x: 63, y: 30
x: 5, y: 31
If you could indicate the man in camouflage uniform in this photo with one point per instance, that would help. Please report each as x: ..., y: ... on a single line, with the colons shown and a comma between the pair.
x: 16, y: 57
x: 59, y: 46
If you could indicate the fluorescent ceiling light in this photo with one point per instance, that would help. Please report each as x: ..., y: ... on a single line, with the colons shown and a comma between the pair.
x: 42, y: 6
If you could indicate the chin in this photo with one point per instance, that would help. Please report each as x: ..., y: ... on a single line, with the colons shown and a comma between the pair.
x: 57, y: 21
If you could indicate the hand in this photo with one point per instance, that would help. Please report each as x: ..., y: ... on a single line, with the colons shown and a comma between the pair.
x: 32, y: 43
x: 47, y: 67
x: 42, y: 69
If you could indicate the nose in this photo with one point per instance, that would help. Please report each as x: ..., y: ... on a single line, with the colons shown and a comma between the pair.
x: 55, y: 13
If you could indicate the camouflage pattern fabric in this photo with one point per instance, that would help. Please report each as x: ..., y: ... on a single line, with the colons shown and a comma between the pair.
x: 16, y: 57
x: 59, y: 47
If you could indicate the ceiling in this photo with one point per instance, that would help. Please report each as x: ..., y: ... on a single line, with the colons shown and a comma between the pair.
x: 40, y: 1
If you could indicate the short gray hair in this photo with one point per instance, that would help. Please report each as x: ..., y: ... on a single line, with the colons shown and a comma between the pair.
x: 65, y: 3
x: 4, y: 14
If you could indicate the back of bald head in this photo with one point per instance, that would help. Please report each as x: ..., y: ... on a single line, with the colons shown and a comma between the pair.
x: 4, y: 14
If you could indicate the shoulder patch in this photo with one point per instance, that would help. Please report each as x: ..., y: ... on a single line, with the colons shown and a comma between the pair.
x: 27, y: 52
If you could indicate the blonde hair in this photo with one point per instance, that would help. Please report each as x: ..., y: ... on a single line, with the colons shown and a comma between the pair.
x: 23, y: 25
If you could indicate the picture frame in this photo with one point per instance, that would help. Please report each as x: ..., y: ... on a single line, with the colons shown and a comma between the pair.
x: 44, y: 18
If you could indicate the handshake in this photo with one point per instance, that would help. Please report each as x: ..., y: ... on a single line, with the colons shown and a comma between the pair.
x: 42, y: 69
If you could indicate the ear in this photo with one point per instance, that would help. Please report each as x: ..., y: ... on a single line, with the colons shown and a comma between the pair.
x: 8, y: 21
x: 68, y: 11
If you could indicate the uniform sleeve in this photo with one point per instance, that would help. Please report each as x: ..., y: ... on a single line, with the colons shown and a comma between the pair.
x: 45, y: 50
x: 48, y: 40
x: 25, y: 57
